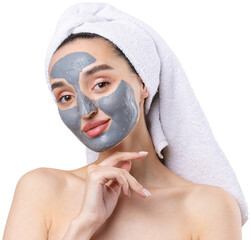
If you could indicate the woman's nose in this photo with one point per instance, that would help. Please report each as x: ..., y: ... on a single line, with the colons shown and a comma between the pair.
x: 90, y: 114
x: 86, y: 107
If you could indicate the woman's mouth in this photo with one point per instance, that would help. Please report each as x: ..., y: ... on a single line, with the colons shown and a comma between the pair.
x: 93, y: 132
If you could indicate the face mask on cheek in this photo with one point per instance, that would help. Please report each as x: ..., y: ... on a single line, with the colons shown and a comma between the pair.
x: 119, y: 105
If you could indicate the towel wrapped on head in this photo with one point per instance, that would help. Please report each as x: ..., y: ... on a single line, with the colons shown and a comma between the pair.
x: 178, y: 127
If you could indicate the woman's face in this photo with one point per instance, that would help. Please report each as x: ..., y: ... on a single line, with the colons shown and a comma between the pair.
x: 93, y: 87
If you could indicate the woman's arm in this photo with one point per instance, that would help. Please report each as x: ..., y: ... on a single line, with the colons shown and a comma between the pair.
x: 80, y: 230
x: 31, y: 210
x: 217, y: 215
x: 27, y: 218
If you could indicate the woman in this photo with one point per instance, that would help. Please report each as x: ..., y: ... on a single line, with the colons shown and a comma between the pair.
x: 101, y: 98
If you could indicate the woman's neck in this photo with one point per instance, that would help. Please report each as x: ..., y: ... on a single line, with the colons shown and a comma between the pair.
x: 149, y: 171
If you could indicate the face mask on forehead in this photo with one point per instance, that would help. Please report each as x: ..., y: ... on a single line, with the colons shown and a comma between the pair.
x: 120, y: 105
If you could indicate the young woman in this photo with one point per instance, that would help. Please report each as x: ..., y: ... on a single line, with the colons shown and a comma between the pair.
x: 128, y: 193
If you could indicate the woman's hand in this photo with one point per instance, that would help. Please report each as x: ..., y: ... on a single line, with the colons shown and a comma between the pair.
x: 103, y: 186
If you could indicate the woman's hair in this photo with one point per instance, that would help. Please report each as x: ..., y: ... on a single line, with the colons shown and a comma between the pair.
x: 87, y: 35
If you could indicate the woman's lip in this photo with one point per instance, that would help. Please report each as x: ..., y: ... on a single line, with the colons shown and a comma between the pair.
x: 97, y: 130
x: 93, y: 124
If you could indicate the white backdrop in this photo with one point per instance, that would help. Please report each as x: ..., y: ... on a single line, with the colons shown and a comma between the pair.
x: 210, y: 38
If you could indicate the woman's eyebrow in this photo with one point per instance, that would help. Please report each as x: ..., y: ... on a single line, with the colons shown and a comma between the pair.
x: 57, y: 84
x: 97, y: 68
x: 87, y: 73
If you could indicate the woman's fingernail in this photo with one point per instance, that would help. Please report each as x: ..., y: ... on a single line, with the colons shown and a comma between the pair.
x: 146, y: 192
x: 142, y: 153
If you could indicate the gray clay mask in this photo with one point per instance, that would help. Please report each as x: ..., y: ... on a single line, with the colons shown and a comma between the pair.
x: 119, y: 105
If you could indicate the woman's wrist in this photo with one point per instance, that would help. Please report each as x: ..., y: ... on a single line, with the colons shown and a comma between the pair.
x: 79, y: 230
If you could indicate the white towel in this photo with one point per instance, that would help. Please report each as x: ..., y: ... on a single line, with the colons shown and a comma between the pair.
x: 173, y: 114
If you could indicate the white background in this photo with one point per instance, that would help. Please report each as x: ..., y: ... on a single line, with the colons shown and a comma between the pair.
x: 212, y: 40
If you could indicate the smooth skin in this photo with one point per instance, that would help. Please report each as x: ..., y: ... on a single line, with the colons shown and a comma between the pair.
x: 48, y: 201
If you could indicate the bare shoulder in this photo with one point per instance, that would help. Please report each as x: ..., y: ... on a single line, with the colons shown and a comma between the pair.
x: 199, y: 191
x: 48, y: 174
x: 43, y: 181
x: 30, y: 210
x: 215, y: 213
x: 204, y: 196
x: 45, y: 174
x: 44, y: 184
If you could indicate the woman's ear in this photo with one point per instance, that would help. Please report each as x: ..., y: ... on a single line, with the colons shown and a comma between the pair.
x: 144, y: 89
x: 145, y: 92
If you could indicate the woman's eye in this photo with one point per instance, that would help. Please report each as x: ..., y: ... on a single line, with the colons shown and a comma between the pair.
x: 101, y: 85
x: 65, y: 98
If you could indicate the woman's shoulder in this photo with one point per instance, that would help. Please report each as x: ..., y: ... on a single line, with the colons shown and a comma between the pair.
x: 35, y: 196
x: 44, y: 183
x: 204, y: 194
x: 49, y: 181
x: 44, y: 177
x: 213, y: 210
x: 46, y: 186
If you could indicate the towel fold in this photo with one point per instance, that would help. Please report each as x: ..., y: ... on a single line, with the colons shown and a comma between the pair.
x: 178, y: 127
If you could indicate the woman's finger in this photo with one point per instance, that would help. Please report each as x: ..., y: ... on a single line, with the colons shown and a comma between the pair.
x: 134, y: 184
x: 126, y: 165
x: 122, y: 176
x: 104, y: 174
x: 117, y: 157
